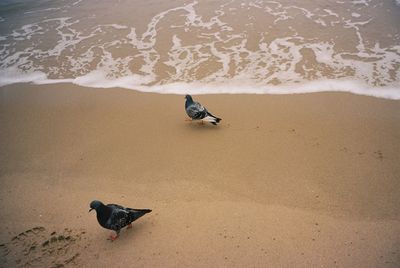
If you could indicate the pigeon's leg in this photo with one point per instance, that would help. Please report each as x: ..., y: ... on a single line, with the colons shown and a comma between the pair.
x: 113, y: 238
x: 189, y: 119
x: 129, y: 226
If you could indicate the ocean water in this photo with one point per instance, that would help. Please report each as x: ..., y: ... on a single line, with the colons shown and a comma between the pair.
x: 204, y: 46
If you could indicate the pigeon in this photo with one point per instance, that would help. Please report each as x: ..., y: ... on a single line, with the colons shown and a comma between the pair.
x: 115, y: 217
x: 196, y: 111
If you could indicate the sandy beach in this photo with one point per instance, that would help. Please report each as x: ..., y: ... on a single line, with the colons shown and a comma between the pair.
x: 283, y: 181
x: 92, y: 108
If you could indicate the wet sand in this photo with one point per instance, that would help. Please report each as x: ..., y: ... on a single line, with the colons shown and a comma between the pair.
x: 290, y: 180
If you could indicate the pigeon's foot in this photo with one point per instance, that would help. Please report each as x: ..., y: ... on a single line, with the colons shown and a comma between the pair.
x: 189, y: 120
x: 129, y: 226
x: 113, y: 237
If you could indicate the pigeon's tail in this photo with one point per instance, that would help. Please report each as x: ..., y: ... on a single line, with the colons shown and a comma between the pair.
x: 212, y: 119
x: 137, y: 213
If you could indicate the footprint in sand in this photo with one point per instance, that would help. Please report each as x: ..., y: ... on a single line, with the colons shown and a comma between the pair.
x: 378, y: 155
x: 39, y: 248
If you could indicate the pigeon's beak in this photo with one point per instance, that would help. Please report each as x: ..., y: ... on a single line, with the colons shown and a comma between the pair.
x: 90, y: 209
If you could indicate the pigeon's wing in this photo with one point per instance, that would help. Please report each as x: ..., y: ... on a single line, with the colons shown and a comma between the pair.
x: 135, y: 213
x: 114, y: 206
x: 196, y: 111
x: 119, y: 217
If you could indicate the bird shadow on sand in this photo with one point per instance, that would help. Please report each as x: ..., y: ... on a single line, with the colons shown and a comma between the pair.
x: 138, y: 231
x: 196, y: 126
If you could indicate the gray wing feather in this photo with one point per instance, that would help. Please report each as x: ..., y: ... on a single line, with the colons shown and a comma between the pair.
x: 119, y: 218
x: 196, y: 111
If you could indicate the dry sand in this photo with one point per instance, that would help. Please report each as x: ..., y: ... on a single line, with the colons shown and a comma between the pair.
x: 294, y: 180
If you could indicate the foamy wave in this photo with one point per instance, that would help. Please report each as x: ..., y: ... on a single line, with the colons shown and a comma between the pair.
x: 350, y: 86
x: 98, y: 79
x: 255, y: 46
x: 13, y: 75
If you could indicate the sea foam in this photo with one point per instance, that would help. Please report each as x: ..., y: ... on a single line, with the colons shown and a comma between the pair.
x: 276, y: 48
x: 98, y: 79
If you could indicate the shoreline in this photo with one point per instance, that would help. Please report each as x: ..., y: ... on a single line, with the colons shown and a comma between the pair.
x: 284, y: 180
x: 97, y: 81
